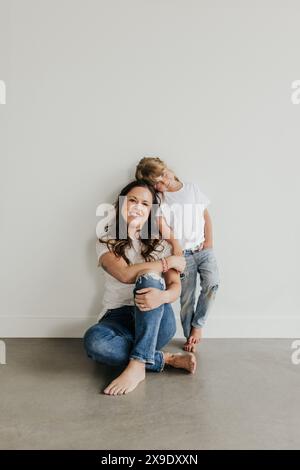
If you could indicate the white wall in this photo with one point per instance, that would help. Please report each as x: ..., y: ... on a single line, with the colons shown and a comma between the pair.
x: 94, y: 85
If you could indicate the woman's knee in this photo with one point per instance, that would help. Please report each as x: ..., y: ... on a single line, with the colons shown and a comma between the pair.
x: 88, y: 340
x: 94, y: 341
x: 149, y: 278
x: 103, y: 345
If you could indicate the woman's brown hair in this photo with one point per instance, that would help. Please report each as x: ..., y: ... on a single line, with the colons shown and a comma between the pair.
x: 118, y: 245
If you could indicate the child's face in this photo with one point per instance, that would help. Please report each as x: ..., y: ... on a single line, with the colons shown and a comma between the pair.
x: 165, y: 181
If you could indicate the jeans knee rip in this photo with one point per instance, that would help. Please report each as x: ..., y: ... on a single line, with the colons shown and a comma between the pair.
x: 151, y: 275
x: 212, y: 290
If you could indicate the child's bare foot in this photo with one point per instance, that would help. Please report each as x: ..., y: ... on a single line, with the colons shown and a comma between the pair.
x: 181, y: 361
x: 193, y: 340
x: 128, y: 380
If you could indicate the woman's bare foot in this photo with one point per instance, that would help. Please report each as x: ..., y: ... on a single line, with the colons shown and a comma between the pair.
x: 181, y: 361
x: 128, y: 380
x: 193, y: 340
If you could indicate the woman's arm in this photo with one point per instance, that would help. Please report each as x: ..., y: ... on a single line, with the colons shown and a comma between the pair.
x: 118, y: 268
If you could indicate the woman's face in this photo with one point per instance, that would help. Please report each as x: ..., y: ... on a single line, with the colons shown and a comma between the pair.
x: 165, y: 181
x: 137, y: 207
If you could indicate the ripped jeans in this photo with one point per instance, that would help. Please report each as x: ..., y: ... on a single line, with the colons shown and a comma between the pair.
x: 203, y: 263
x: 126, y: 332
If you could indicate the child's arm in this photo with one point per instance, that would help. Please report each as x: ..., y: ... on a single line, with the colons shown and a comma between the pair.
x: 208, y: 232
x: 176, y: 247
x: 168, y: 234
x: 120, y: 270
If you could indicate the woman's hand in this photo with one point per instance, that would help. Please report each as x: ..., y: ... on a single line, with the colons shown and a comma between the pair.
x: 176, y: 262
x: 149, y: 298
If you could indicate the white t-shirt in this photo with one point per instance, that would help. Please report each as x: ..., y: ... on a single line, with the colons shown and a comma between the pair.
x: 183, y: 211
x: 116, y: 293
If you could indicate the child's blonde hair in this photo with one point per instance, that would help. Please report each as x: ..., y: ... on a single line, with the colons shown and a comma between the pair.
x: 150, y: 168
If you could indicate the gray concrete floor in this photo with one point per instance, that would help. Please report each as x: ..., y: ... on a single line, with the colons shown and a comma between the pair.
x: 245, y: 395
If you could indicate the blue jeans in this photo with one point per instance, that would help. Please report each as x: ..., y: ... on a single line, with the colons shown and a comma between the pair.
x: 128, y: 333
x: 203, y: 263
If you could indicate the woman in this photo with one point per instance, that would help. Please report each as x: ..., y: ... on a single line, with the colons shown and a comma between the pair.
x: 141, y: 282
x: 189, y: 205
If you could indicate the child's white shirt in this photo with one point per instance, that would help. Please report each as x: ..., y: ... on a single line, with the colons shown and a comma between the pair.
x: 183, y: 211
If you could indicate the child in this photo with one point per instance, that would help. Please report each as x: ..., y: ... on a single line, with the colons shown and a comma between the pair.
x: 190, y: 235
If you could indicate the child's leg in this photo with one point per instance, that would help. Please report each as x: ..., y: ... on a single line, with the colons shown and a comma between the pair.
x: 209, y: 279
x: 209, y: 282
x: 187, y: 297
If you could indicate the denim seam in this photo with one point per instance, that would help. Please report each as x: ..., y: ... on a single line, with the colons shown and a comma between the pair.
x: 162, y: 361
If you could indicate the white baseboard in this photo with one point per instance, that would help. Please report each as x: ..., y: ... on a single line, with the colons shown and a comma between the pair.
x: 218, y: 326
